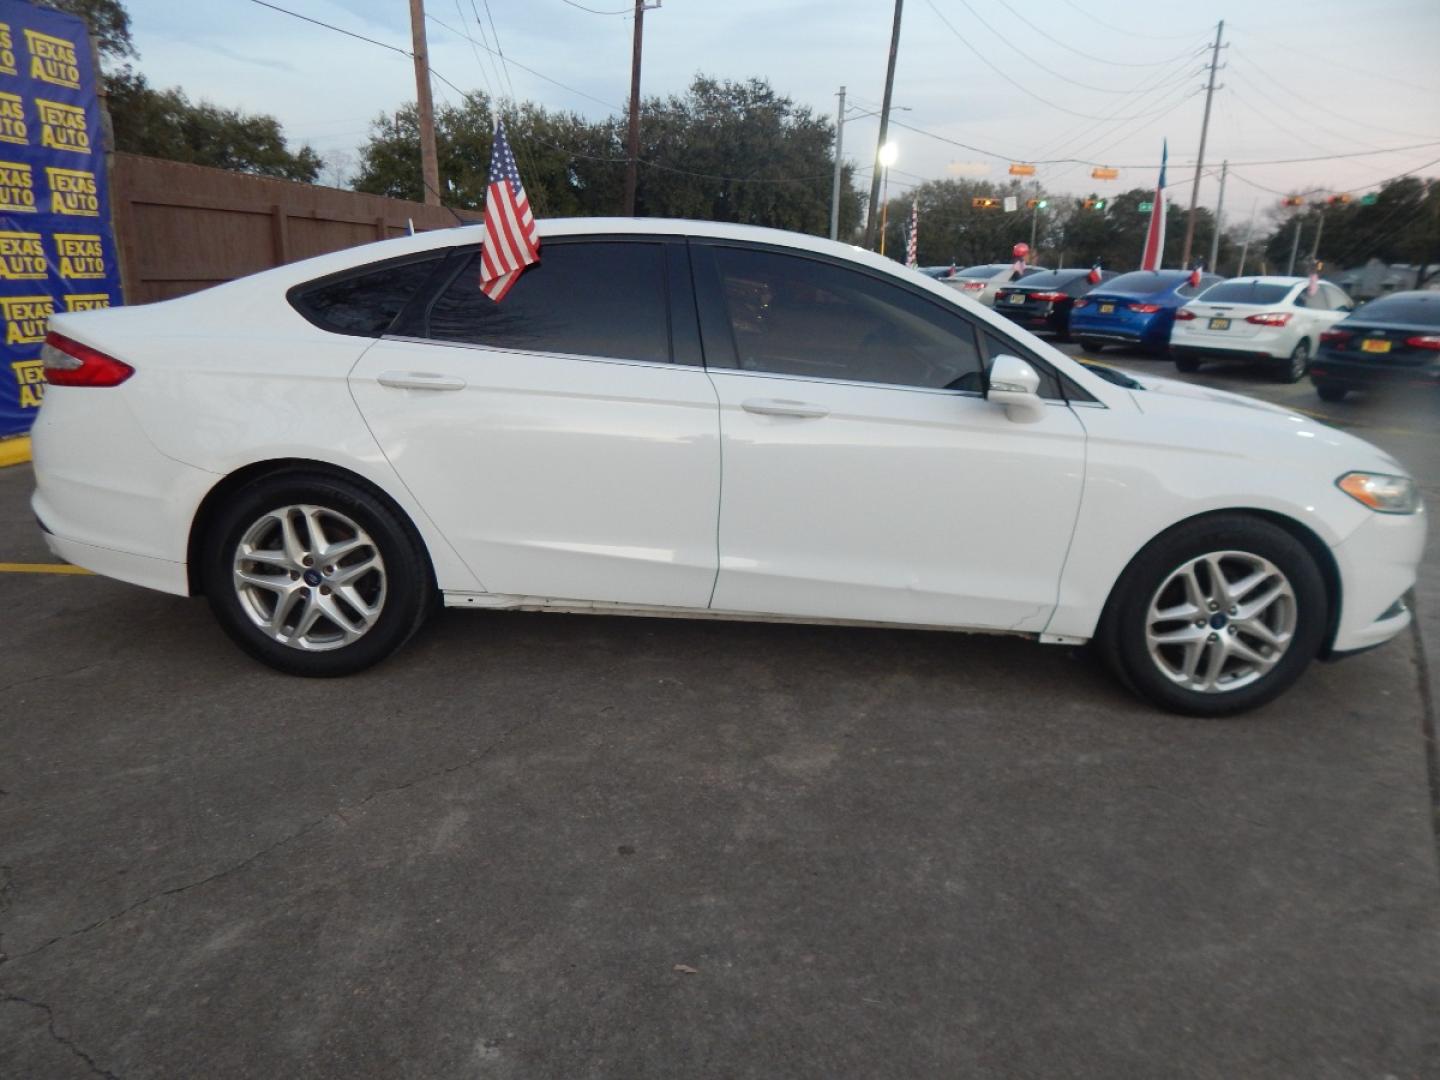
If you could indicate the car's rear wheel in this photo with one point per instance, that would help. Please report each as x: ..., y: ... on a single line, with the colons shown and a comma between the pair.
x: 1091, y: 345
x: 1330, y: 392
x: 1294, y: 368
x: 1216, y: 617
x: 315, y: 576
x: 1186, y: 363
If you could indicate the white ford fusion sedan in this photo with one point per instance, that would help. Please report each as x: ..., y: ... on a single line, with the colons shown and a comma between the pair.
x: 681, y: 418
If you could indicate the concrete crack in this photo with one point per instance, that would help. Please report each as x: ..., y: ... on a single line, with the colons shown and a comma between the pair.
x: 61, y: 1039
x: 337, y: 813
x: 53, y: 675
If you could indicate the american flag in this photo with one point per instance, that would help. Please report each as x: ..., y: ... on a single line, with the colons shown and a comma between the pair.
x: 913, y: 243
x: 511, y: 241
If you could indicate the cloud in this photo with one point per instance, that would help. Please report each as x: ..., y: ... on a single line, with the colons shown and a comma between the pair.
x: 968, y: 168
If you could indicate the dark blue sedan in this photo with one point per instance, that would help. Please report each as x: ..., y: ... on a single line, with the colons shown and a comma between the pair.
x: 1135, y: 309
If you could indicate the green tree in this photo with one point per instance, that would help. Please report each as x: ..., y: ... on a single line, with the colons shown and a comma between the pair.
x: 167, y: 124
x: 108, y: 21
x: 722, y: 151
x: 1402, y: 225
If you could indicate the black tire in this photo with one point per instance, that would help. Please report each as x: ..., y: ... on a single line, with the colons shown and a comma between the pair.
x: 1187, y: 363
x: 1330, y: 392
x: 409, y: 591
x: 1297, y: 365
x: 1121, y: 638
x: 1091, y: 345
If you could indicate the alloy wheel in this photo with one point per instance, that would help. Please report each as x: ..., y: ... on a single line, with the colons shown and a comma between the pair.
x: 1221, y: 621
x: 1300, y: 361
x: 309, y: 577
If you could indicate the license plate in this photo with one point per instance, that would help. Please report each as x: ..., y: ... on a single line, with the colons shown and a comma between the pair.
x: 1374, y: 345
x: 1015, y: 298
x: 1219, y: 324
x: 1106, y: 309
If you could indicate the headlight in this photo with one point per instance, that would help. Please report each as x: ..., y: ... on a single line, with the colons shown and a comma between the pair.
x: 1381, y: 493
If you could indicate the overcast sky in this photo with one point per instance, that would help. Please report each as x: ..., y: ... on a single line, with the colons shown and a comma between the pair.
x: 1304, y: 78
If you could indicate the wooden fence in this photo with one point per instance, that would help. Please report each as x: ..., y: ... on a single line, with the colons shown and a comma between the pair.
x: 183, y: 227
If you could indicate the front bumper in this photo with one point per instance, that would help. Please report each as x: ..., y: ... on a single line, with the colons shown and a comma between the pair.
x: 1378, y: 564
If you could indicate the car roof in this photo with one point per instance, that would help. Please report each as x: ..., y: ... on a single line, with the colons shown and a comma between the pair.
x: 1266, y: 279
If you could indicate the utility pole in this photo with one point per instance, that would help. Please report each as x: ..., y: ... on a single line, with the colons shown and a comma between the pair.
x: 1245, y: 247
x: 835, y: 186
x: 632, y: 140
x: 429, y: 159
x: 1200, y: 160
x: 1294, y: 248
x: 1034, y: 219
x: 1219, y: 217
x: 884, y: 125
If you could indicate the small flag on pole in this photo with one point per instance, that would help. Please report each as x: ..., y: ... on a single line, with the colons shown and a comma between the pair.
x: 1154, y: 253
x: 1094, y: 276
x: 511, y: 240
x: 1195, y: 277
x: 913, y: 243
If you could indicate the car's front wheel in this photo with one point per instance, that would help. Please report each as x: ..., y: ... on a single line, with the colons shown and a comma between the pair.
x: 314, y: 575
x: 1216, y: 616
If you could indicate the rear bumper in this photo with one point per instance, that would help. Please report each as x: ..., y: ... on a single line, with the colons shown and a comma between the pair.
x: 151, y: 573
x: 1053, y: 323
x: 1221, y: 354
x: 1331, y: 370
x: 1148, y: 333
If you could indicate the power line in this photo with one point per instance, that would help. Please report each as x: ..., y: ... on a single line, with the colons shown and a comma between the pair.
x: 1100, y: 60
x: 597, y: 11
x: 1031, y: 59
x: 1121, y: 30
x: 1283, y: 107
x: 1004, y: 74
x: 339, y: 30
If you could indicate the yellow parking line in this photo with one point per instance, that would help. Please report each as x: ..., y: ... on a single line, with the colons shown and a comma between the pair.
x: 41, y: 568
x: 14, y: 451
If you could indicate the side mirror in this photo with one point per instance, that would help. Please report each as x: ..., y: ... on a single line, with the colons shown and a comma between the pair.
x: 1014, y: 384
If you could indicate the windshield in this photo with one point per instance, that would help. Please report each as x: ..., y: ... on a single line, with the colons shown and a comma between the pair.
x: 1414, y: 310
x: 1245, y: 292
x: 1146, y: 281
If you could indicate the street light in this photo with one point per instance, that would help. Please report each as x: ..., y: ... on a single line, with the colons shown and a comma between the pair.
x: 887, y: 156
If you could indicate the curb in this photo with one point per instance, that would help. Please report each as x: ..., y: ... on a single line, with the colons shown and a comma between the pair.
x: 14, y: 451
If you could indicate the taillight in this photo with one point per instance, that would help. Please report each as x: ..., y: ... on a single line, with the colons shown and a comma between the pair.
x: 1269, y: 318
x: 1184, y: 315
x: 68, y: 363
x: 1082, y: 302
x: 1425, y: 341
x: 974, y: 286
x: 1335, y: 337
x: 1146, y: 309
x: 1048, y: 297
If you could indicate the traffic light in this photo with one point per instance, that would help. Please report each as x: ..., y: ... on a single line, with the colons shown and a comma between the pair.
x: 1037, y: 204
x: 1094, y: 204
x: 1292, y: 200
x: 1334, y: 199
x: 985, y: 204
x: 1145, y: 207
x: 1369, y: 200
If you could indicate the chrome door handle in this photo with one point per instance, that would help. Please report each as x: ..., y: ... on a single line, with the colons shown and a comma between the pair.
x: 783, y: 407
x: 419, y: 380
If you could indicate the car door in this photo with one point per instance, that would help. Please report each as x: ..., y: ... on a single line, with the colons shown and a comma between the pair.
x: 865, y: 475
x: 564, y: 440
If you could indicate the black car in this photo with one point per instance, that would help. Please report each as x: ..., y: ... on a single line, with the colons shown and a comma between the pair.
x: 1042, y: 301
x: 1394, y: 340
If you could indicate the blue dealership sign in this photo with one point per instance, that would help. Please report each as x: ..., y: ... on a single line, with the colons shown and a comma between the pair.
x: 57, y: 249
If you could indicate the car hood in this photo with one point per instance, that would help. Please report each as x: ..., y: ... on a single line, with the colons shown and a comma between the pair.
x: 1207, y: 418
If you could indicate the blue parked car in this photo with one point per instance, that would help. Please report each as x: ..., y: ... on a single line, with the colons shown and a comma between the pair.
x: 1135, y: 309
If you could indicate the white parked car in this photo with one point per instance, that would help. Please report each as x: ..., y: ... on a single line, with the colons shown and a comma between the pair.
x: 981, y: 283
x: 683, y: 418
x: 1276, y: 321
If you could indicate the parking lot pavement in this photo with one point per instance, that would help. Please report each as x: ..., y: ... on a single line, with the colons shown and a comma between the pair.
x: 539, y: 846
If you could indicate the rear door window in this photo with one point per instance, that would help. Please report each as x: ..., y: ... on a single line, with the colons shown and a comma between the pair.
x: 601, y: 298
x: 364, y: 302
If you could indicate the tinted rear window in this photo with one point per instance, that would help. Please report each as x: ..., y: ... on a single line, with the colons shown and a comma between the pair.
x: 1145, y: 281
x: 1412, y: 310
x: 1245, y: 292
x: 983, y: 271
x: 1048, y: 278
x: 592, y: 298
x: 365, y: 303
